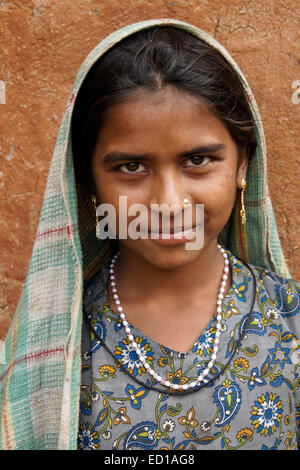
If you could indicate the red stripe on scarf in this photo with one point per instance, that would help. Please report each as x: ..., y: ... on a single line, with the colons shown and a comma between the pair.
x: 32, y: 357
x: 60, y: 230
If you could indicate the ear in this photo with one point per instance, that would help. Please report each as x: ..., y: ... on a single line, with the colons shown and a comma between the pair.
x: 242, y: 166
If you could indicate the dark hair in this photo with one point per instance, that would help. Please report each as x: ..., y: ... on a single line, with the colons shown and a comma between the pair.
x: 154, y: 58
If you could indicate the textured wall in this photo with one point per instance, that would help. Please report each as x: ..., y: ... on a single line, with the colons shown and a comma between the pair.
x: 43, y: 42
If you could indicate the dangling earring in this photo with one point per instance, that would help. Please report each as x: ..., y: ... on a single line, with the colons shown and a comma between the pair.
x: 94, y: 201
x: 242, y: 211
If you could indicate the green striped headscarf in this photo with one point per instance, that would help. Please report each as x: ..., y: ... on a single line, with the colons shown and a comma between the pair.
x: 40, y: 360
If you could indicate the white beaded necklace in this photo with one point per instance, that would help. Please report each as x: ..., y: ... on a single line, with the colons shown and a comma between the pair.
x: 135, y: 346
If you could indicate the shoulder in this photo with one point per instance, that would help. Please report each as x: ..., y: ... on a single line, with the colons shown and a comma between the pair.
x: 287, y: 289
x: 283, y: 295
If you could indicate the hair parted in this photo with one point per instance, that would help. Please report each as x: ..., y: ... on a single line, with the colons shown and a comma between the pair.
x: 152, y: 59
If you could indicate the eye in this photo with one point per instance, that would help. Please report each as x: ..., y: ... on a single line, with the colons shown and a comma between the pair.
x: 131, y: 167
x: 197, y: 160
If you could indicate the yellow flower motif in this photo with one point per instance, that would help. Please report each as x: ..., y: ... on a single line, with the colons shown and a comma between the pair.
x: 121, y: 417
x: 177, y: 378
x: 245, y: 434
x: 189, y: 419
x: 242, y: 363
x: 157, y: 434
x: 163, y: 361
x: 232, y: 310
x: 236, y: 268
x: 289, y: 443
x: 107, y: 370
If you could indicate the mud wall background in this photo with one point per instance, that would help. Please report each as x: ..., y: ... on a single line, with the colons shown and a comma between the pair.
x: 43, y: 43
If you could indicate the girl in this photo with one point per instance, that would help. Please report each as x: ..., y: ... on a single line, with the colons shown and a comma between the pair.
x: 141, y: 343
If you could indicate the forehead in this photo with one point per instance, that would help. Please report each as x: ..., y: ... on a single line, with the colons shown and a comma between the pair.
x: 161, y: 116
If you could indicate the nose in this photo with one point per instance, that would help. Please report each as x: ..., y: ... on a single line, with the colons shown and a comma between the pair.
x: 168, y: 191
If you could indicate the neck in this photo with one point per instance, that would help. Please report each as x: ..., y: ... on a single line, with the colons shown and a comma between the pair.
x: 201, y: 276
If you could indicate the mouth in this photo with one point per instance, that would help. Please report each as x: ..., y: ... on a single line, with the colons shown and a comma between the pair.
x: 166, y: 231
x: 178, y: 232
x: 176, y: 235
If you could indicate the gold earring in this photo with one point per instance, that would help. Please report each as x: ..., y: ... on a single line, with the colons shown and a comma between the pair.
x: 94, y: 201
x: 243, y: 211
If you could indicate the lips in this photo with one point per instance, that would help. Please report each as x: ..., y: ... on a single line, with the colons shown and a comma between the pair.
x: 172, y: 230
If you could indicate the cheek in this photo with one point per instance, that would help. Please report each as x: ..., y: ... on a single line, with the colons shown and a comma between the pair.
x: 111, y: 195
x: 219, y: 198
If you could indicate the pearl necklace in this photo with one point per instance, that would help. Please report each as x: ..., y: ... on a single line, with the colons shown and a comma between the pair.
x: 135, y: 346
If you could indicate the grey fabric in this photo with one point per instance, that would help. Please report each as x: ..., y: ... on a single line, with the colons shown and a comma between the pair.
x: 250, y: 405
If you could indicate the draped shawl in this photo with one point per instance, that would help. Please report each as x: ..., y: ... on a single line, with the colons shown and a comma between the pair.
x: 40, y: 358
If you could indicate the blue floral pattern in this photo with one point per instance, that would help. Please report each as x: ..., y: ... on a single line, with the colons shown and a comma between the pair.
x: 249, y: 400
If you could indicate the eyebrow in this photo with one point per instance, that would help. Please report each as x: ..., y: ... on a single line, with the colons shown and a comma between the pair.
x: 114, y: 157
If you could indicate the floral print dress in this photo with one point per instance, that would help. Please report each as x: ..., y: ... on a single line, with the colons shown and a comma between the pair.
x: 249, y: 400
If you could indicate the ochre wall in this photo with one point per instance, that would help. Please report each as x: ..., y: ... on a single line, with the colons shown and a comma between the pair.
x: 43, y: 43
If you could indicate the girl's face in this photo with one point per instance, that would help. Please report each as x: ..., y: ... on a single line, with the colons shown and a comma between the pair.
x: 141, y: 154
